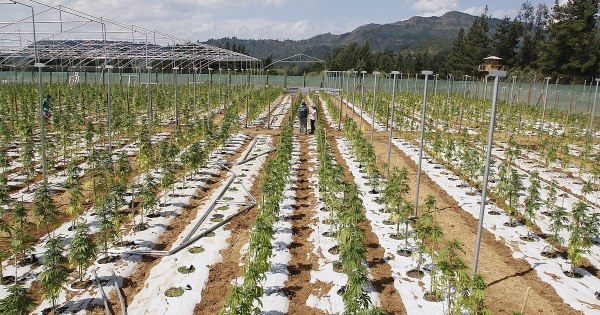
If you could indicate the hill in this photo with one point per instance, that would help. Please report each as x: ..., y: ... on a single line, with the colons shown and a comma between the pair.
x: 433, y: 34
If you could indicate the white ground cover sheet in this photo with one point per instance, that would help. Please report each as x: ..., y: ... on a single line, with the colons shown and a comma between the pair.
x: 411, y: 289
x: 152, y: 300
x: 578, y: 293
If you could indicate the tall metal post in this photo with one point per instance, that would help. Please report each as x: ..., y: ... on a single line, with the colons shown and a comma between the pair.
x: 387, y: 176
x: 488, y: 156
x: 362, y: 99
x: 176, y: 96
x: 593, y: 108
x: 195, y: 103
x: 374, y: 103
x: 40, y: 65
x: 544, y: 108
x: 149, y: 68
x: 354, y: 93
x: 228, y: 86
x: 209, y: 88
x: 510, y: 100
x: 427, y: 74
x: 220, y: 86
x: 108, y: 104
x: 341, y: 100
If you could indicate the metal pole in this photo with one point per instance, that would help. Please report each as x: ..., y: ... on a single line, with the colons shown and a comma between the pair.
x: 362, y: 99
x: 209, y: 86
x: 42, y: 120
x: 427, y: 74
x: 387, y: 176
x: 220, y: 86
x: 341, y: 76
x: 195, y: 104
x: 39, y: 65
x: 354, y: 93
x: 176, y: 96
x: 149, y: 68
x: 108, y: 103
x: 593, y: 108
x: 374, y: 102
x: 488, y: 156
x: 544, y: 108
x: 512, y: 86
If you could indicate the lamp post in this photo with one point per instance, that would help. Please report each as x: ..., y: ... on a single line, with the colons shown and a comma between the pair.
x: 108, y: 103
x: 387, y: 176
x: 195, y: 79
x: 341, y: 99
x: 347, y: 91
x: 362, y: 99
x: 544, y: 108
x: 149, y: 68
x: 593, y: 108
x: 209, y: 88
x: 220, y: 86
x: 427, y: 74
x: 354, y: 93
x: 228, y: 86
x: 374, y: 103
x: 510, y: 100
x: 234, y: 77
x: 176, y: 96
x: 496, y: 74
x: 466, y: 78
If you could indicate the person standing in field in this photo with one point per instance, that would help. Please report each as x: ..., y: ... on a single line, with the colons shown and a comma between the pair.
x: 302, y: 117
x: 312, y: 115
x: 46, y: 107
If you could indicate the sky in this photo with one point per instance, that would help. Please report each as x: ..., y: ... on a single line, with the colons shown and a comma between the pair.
x: 200, y: 20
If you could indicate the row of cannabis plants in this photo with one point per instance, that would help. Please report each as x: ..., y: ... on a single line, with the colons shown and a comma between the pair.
x: 346, y: 212
x: 450, y: 279
x: 244, y: 298
x: 465, y: 158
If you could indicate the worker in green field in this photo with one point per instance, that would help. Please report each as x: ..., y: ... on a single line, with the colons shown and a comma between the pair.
x: 46, y: 107
x: 302, y: 118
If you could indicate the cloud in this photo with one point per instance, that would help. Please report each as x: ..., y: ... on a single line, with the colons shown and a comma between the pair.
x: 500, y: 14
x: 475, y: 10
x: 434, y: 7
x: 256, y: 28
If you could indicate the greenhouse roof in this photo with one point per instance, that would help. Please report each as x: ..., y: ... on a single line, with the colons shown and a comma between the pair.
x: 58, y: 35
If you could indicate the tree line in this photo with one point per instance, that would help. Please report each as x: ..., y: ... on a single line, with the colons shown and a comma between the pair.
x: 559, y: 41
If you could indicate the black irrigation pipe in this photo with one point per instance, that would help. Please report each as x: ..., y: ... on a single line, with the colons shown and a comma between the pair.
x: 102, y: 294
x: 188, y: 240
x: 212, y: 229
x: 212, y: 206
x: 121, y: 298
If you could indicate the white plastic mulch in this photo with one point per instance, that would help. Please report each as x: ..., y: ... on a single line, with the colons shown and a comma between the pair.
x: 152, y: 299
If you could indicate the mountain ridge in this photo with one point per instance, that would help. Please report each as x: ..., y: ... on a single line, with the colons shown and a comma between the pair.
x: 434, y: 34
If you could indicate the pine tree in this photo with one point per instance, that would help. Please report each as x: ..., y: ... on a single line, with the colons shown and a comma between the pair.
x: 477, y: 43
x: 457, y: 63
x: 505, y: 40
x: 572, y: 48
